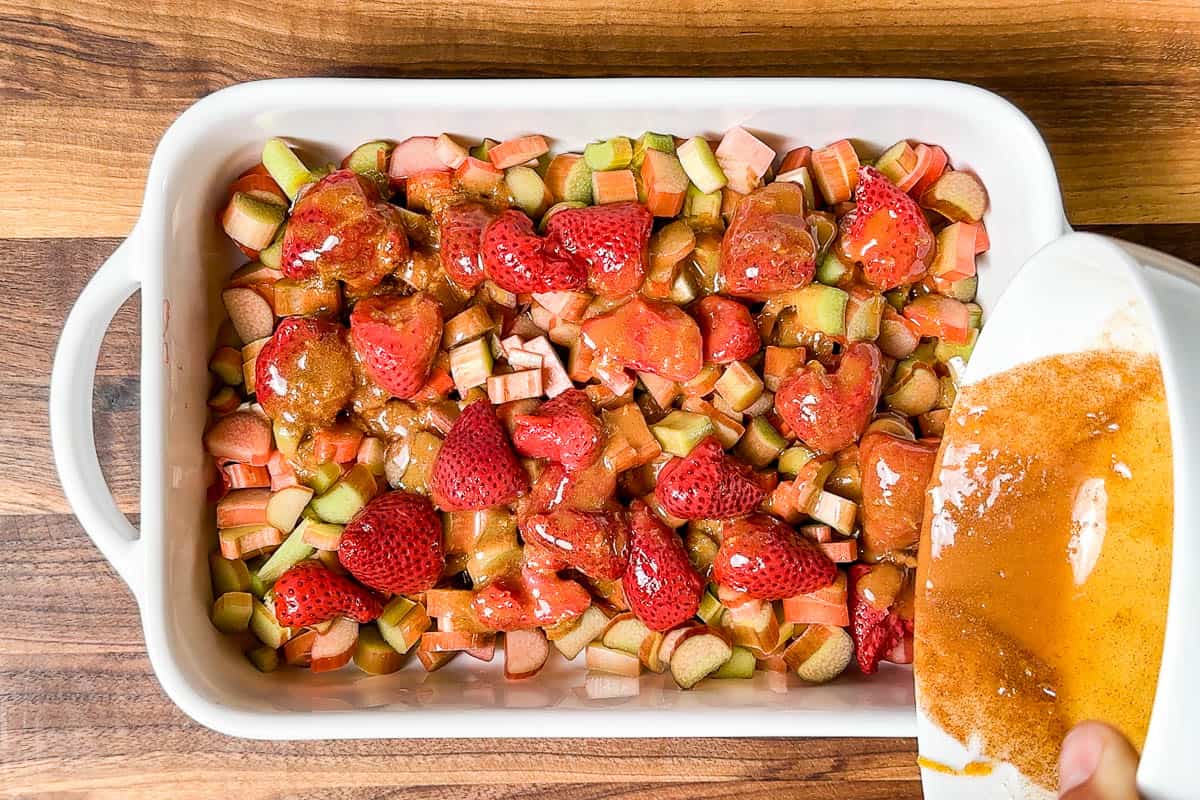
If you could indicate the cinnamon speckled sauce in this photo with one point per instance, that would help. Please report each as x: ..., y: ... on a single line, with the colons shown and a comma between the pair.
x: 1045, y: 557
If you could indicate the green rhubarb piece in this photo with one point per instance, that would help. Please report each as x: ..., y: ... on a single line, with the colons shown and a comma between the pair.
x: 266, y: 627
x: 285, y: 167
x: 832, y: 271
x: 554, y: 209
x: 528, y: 190
x: 324, y: 476
x: 481, y: 150
x: 700, y: 164
x: 287, y: 437
x: 975, y: 315
x: 680, y: 431
x: 389, y: 624
x: 651, y: 141
x: 471, y: 364
x: 321, y: 535
x: 616, y: 153
x: 864, y: 318
x: 701, y: 547
x: 266, y: 216
x: 761, y: 443
x: 366, y: 160
x: 228, y: 575
x: 741, y: 664
x: 293, y: 550
x: 739, y: 386
x: 257, y: 587
x: 944, y: 351
x: 343, y: 500
x: 821, y: 308
x: 373, y: 655
x: 710, y: 609
x: 701, y: 210
x: 964, y: 289
x: 897, y: 298
x: 890, y: 162
x: 803, y: 177
x: 231, y: 612
x: 578, y: 185
x: 266, y: 659
x: 793, y: 459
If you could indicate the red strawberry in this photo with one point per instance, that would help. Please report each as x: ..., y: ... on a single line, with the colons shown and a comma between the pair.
x: 519, y: 260
x: 529, y: 598
x: 396, y: 339
x: 462, y: 227
x: 340, y: 229
x: 303, y: 373
x: 564, y: 429
x: 886, y: 233
x: 728, y: 330
x: 768, y: 247
x: 309, y: 593
x: 609, y: 241
x: 476, y: 467
x: 708, y: 484
x: 876, y: 631
x: 588, y: 489
x: 895, y: 473
x: 594, y: 544
x: 768, y: 560
x: 661, y: 586
x: 829, y: 410
x: 648, y: 336
x: 394, y: 544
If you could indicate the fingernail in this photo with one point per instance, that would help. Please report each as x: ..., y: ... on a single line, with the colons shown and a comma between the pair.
x: 1080, y: 757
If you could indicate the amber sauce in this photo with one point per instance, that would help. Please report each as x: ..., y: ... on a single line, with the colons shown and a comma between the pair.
x: 1045, y: 556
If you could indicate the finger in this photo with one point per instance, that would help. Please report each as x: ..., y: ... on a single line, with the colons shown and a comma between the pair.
x: 1097, y: 763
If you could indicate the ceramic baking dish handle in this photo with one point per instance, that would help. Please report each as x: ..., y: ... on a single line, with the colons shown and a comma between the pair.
x: 71, y: 432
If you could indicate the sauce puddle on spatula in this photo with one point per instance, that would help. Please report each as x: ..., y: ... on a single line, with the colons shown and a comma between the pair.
x: 1045, y: 557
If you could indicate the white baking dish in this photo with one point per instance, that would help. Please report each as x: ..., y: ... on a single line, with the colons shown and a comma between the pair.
x: 179, y: 259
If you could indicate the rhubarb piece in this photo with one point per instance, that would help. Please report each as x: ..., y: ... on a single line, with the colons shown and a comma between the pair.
x: 334, y: 648
x: 373, y: 655
x: 752, y: 624
x: 297, y: 651
x: 607, y: 686
x: 448, y: 151
x: 343, y: 500
x: 680, y: 431
x: 666, y: 183
x: 323, y: 476
x: 702, y: 210
x: 739, y: 386
x: 700, y: 164
x: 898, y: 163
x: 226, y: 363
x: 616, y: 186
x: 271, y: 256
x: 945, y: 351
x: 836, y: 512
x: 914, y: 388
x: 423, y: 449
x: 615, y: 153
x: 564, y: 305
x: 955, y: 259
x: 231, y: 612
x: 413, y: 156
x: 454, y: 641
x: 266, y: 627
x: 864, y: 314
x: 835, y: 169
x: 293, y: 550
x: 529, y: 191
x: 651, y: 141
x: 820, y: 653
x: 228, y: 574
x: 247, y: 540
x: 826, y: 606
x: 471, y: 364
x: 514, y: 386
x: 761, y: 444
x: 250, y: 313
x: 478, y: 177
x: 244, y: 507
x: 402, y: 623
x: 833, y: 271
x: 370, y: 158
x: 472, y: 323
x: 662, y: 390
x: 793, y: 459
x: 264, y: 658
x: 525, y: 652
x: 306, y: 297
x: 285, y: 167
x: 739, y: 146
x: 727, y: 429
x: 779, y: 362
x: 617, y: 662
x: 802, y: 177
x: 626, y: 632
x: 700, y: 652
x: 322, y: 536
x: 741, y: 664
x: 957, y: 196
x: 569, y: 179
x: 337, y: 443
x: 513, y: 152
x: 591, y: 624
x: 284, y: 507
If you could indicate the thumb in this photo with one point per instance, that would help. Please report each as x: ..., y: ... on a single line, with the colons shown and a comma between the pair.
x: 1097, y: 763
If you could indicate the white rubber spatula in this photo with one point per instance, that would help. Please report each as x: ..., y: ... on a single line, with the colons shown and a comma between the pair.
x: 1088, y: 292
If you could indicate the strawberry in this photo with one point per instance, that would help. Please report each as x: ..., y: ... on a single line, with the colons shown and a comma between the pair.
x: 609, y: 241
x: 564, y: 429
x: 530, y: 597
x: 648, y: 336
x: 895, y: 473
x: 394, y: 544
x: 594, y: 544
x: 708, y: 484
x: 588, y: 489
x: 768, y: 247
x: 309, y: 593
x: 462, y: 226
x: 519, y: 260
x: 341, y: 229
x: 829, y: 410
x: 661, y: 586
x: 728, y: 330
x: 876, y: 631
x: 476, y: 467
x: 886, y: 233
x: 303, y: 373
x: 768, y: 560
x: 396, y: 339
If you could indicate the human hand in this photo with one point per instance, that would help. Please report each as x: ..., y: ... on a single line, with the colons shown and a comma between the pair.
x: 1097, y: 763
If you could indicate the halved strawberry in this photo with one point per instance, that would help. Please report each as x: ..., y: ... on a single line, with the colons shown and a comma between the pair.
x: 768, y: 560
x: 829, y: 410
x: 728, y: 329
x: 564, y: 429
x: 309, y: 593
x: 610, y: 241
x: 341, y: 229
x: 519, y: 260
x: 708, y: 484
x: 396, y: 339
x: 886, y: 233
x: 303, y: 373
x: 768, y: 247
x: 394, y: 544
x: 895, y: 473
x: 594, y: 544
x: 588, y: 489
x: 460, y: 249
x: 876, y: 630
x: 661, y: 586
x: 476, y: 467
x: 648, y: 336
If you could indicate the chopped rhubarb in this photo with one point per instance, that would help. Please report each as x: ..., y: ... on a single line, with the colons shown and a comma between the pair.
x: 471, y: 365
x: 252, y: 316
x: 795, y: 159
x: 337, y: 443
x: 956, y: 250
x: 740, y: 146
x: 957, y: 196
x: 554, y: 375
x: 701, y: 165
x: 448, y: 151
x: 569, y: 179
x: 941, y: 317
x: 835, y: 169
x: 242, y: 436
x: 478, y: 176
x: 514, y: 386
x: 517, y: 151
x: 666, y: 183
x: 931, y: 163
x: 615, y: 186
x: 413, y: 156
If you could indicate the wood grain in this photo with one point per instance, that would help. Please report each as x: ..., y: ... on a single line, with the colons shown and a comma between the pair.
x: 1114, y: 86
